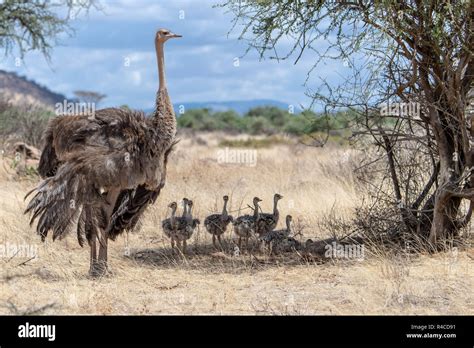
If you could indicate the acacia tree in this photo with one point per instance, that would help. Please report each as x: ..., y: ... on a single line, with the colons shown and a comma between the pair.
x: 35, y: 25
x: 89, y: 96
x: 407, y: 52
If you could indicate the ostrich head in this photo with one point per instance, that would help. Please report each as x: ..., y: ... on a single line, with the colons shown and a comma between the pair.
x: 163, y: 35
x: 173, y: 205
x: 289, y: 218
x: 225, y: 198
x: 277, y: 197
x: 256, y: 200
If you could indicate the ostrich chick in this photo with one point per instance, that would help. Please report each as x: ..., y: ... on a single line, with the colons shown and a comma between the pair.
x: 216, y: 224
x: 245, y: 226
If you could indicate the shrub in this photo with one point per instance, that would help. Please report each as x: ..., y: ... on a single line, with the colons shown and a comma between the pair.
x: 267, y: 120
x: 26, y: 123
x: 254, y: 143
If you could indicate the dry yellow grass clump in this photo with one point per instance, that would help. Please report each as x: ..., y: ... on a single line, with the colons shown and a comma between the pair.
x: 149, y: 279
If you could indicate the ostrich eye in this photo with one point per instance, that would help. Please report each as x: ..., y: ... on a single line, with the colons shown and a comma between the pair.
x: 166, y: 32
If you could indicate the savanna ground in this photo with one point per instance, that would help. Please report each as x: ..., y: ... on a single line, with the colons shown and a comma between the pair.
x: 149, y: 279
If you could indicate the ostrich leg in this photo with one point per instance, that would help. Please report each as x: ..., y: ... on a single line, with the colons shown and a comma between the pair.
x: 93, y: 261
x: 102, y: 262
x: 214, y: 241
x: 102, y: 268
x: 220, y: 241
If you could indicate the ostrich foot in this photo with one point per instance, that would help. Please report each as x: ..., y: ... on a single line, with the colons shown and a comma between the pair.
x: 99, y: 269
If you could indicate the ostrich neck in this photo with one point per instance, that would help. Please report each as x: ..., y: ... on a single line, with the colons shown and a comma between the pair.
x: 190, y: 214
x: 173, y: 212
x: 275, y: 209
x: 160, y: 57
x: 164, y: 120
x: 185, y: 210
x: 255, y: 212
x: 224, y: 210
x: 288, y: 226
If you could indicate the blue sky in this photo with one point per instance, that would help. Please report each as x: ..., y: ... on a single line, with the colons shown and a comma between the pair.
x: 199, y: 67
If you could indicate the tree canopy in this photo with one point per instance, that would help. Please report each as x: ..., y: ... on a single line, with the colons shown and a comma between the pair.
x: 402, y: 53
x: 28, y: 25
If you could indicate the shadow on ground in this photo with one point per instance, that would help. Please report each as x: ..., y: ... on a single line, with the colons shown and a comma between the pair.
x: 209, y: 259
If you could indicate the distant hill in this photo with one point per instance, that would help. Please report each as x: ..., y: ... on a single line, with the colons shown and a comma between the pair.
x: 19, y: 90
x: 239, y: 106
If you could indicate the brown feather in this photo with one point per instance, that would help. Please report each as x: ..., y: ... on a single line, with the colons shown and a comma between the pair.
x: 88, y: 154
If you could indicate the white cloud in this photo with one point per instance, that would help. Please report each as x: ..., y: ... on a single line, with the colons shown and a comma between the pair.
x: 116, y: 10
x: 136, y: 77
x: 199, y: 67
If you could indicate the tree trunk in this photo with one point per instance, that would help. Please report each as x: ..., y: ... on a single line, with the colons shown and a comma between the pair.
x: 444, y: 219
x: 445, y: 212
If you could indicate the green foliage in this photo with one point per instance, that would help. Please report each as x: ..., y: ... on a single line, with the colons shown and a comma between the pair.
x: 36, y: 25
x: 334, y: 122
x: 228, y: 120
x: 259, y: 125
x: 197, y: 120
x: 265, y: 120
x: 275, y: 115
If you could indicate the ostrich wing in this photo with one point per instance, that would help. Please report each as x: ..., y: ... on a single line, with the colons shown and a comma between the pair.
x: 111, y: 129
x: 131, y: 204
x: 48, y: 163
x: 59, y: 200
x: 113, y: 149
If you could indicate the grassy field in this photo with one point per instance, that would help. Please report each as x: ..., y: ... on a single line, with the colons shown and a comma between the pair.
x: 149, y: 279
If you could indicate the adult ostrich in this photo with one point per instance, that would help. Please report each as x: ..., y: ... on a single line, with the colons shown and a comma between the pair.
x: 102, y: 170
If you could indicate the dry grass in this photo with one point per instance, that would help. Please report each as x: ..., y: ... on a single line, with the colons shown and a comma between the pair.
x: 153, y: 280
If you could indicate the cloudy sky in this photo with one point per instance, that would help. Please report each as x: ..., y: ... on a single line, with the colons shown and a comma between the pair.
x: 200, y: 66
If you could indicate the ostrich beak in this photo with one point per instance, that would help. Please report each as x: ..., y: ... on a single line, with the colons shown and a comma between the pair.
x: 173, y: 35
